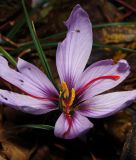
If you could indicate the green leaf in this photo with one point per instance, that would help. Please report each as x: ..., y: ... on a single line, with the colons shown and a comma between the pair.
x: 97, y: 26
x: 30, y: 45
x: 53, y: 44
x: 8, y: 56
x: 38, y: 45
x: 38, y: 126
x: 99, y: 45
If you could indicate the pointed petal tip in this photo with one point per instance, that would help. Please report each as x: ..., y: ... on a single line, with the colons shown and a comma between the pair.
x: 77, y: 45
x: 19, y: 62
x: 76, y: 12
x: 19, y: 59
x: 123, y: 66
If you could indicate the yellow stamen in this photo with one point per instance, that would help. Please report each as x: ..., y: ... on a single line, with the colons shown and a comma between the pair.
x: 63, y: 103
x: 60, y: 94
x: 66, y: 97
x: 64, y: 89
x: 72, y: 97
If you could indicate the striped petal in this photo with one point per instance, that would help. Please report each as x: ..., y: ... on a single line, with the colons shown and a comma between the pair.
x: 26, y: 103
x: 29, y: 78
x: 107, y: 104
x: 102, y: 68
x: 79, y: 125
x: 38, y: 77
x: 74, y: 51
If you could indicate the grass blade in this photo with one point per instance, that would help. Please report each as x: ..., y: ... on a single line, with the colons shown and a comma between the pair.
x: 97, y: 26
x: 54, y: 44
x: 30, y: 45
x: 8, y: 56
x: 99, y: 45
x: 38, y: 126
x: 38, y: 45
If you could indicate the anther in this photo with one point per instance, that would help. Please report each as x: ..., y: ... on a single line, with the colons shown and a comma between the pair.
x: 64, y: 89
x: 72, y: 97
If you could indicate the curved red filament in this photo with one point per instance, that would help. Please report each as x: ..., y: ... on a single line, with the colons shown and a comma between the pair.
x: 42, y: 98
x: 69, y: 120
x: 112, y: 77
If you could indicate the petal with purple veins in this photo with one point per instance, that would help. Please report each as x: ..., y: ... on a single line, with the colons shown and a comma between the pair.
x: 74, y: 51
x: 106, y: 104
x: 102, y: 68
x: 26, y: 103
x: 23, y: 81
x: 37, y: 76
x: 79, y: 125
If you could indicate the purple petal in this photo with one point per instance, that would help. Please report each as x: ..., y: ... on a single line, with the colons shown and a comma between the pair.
x: 74, y: 51
x: 107, y: 104
x: 79, y: 125
x: 26, y: 103
x: 30, y: 80
x: 38, y: 77
x: 102, y: 68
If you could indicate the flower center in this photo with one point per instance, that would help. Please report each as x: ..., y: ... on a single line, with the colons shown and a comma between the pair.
x: 67, y: 97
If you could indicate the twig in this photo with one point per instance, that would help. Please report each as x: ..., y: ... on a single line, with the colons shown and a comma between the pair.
x: 11, y: 23
x: 9, y: 40
x: 8, y: 48
x: 127, y: 5
x: 24, y: 52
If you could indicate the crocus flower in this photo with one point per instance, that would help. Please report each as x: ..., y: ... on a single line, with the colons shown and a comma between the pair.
x: 80, y: 91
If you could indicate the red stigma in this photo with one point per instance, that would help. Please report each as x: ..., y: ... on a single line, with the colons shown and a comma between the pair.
x: 116, y: 77
x: 112, y: 77
x: 69, y: 120
x: 42, y: 98
x: 26, y: 93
